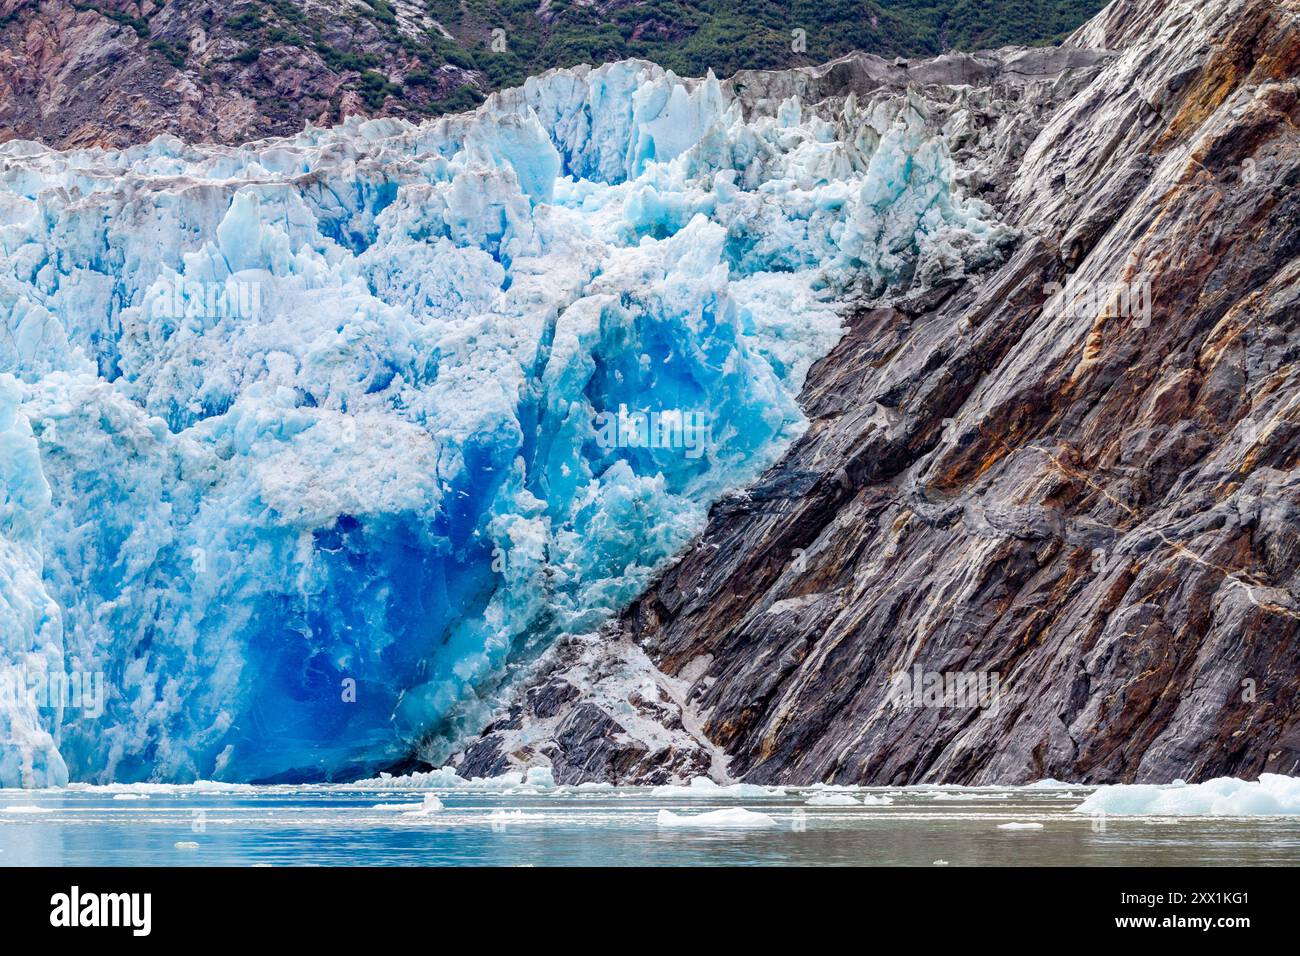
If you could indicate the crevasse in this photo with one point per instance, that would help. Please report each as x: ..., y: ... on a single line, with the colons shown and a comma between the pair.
x: 300, y: 443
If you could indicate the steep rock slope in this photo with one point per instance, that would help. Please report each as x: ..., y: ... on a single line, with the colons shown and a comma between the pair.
x: 1074, y: 479
x: 116, y: 73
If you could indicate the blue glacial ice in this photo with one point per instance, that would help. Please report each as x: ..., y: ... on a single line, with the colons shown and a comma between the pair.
x: 299, y: 443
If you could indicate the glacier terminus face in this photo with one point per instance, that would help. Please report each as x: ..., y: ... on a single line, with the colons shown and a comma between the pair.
x: 309, y: 447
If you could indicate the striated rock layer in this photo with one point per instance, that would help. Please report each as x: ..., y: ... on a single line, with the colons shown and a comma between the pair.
x: 1075, y: 478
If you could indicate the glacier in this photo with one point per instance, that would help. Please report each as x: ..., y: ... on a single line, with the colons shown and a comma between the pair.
x: 299, y: 444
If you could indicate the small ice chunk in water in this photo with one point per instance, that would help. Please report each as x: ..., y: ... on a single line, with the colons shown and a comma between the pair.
x: 1020, y: 826
x: 831, y: 800
x: 732, y: 818
x: 430, y: 806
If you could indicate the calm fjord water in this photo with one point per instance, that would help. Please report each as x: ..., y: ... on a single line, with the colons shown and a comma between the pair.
x: 352, y: 826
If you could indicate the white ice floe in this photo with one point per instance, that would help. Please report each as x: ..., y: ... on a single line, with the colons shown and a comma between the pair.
x: 1020, y: 826
x: 831, y: 800
x: 1272, y: 794
x: 702, y: 788
x: 732, y: 818
x: 430, y: 806
x: 950, y: 795
x: 27, y: 808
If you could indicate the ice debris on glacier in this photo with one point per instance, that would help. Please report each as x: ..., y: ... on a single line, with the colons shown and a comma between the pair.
x: 297, y: 439
x: 1272, y: 794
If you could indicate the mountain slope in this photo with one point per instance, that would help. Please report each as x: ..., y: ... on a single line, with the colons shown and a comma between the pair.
x: 118, y: 72
x: 1073, y: 482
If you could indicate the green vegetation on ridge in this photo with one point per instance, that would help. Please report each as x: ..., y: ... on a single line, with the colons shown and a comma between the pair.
x: 425, y: 57
x: 731, y: 35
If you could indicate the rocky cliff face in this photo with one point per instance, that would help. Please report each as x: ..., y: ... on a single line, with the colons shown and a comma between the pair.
x: 116, y: 73
x: 1046, y: 523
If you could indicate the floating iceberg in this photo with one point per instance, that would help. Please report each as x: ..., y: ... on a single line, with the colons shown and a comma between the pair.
x: 732, y: 818
x: 833, y: 800
x: 1272, y: 794
x: 702, y: 788
x: 308, y: 447
x: 429, y: 807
